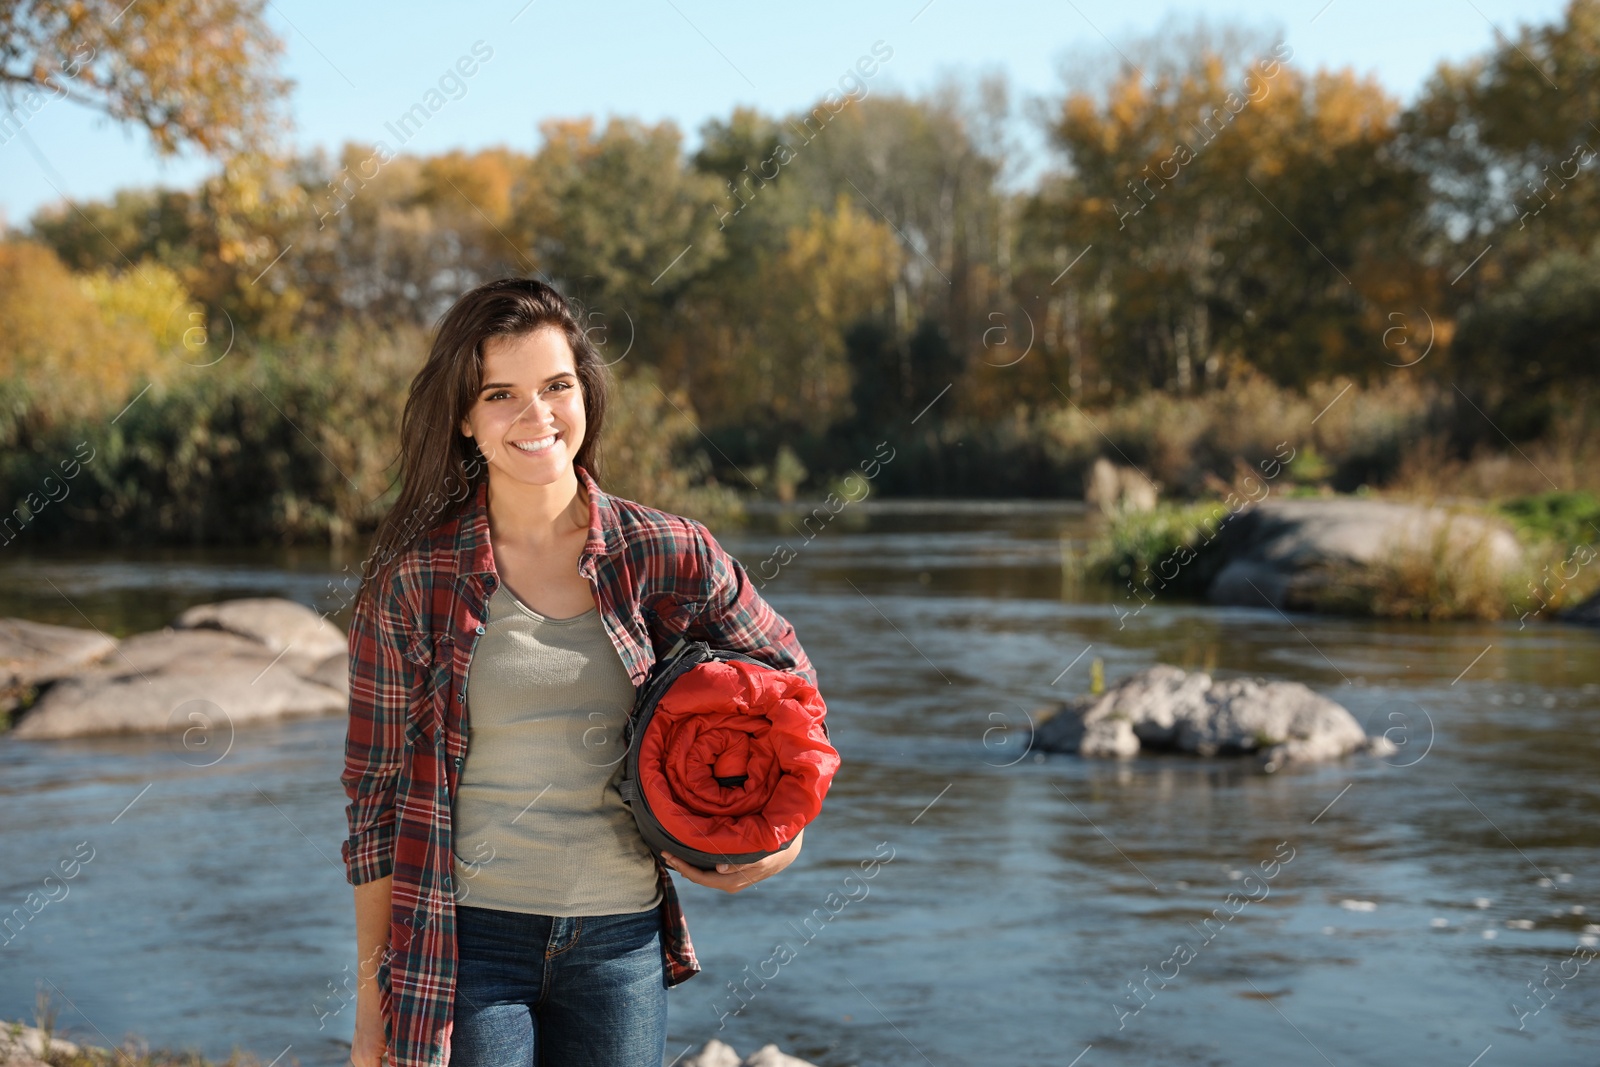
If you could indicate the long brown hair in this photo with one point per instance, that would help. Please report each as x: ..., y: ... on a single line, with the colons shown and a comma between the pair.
x: 440, y: 467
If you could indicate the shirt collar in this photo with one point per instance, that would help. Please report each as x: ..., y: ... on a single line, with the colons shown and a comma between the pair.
x: 475, y: 555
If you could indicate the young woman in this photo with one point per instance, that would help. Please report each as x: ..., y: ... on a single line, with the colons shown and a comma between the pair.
x: 507, y: 911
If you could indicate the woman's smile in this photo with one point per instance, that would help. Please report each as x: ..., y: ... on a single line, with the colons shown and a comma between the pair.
x: 537, y: 446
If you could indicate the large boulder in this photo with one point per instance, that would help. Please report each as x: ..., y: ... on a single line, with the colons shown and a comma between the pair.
x: 37, y: 653
x: 204, y: 677
x: 1164, y: 708
x: 1282, y: 553
x: 277, y: 623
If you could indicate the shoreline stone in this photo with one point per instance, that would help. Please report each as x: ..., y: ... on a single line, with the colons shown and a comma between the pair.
x: 715, y: 1053
x: 27, y: 1048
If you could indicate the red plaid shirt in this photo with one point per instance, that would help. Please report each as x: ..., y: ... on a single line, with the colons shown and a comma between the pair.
x: 654, y: 574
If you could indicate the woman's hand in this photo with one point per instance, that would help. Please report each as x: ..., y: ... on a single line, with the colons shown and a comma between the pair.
x: 732, y: 877
x: 368, y: 1048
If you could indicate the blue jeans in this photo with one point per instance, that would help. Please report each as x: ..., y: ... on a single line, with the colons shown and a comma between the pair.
x: 558, y: 991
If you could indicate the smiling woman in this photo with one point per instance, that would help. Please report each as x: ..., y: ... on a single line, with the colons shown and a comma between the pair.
x: 495, y: 657
x: 530, y: 403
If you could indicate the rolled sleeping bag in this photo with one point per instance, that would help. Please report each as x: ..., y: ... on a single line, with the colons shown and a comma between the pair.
x: 728, y: 757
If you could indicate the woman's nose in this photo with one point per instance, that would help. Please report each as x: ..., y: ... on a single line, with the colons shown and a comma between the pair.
x: 535, y: 414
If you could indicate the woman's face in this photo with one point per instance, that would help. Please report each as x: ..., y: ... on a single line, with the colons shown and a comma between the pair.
x: 528, y: 418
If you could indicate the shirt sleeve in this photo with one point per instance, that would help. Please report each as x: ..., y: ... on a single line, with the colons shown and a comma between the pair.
x: 383, y: 685
x: 736, y: 616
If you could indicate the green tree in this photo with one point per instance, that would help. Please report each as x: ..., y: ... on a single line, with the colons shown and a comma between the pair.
x: 617, y: 219
x: 1541, y: 336
x: 1509, y: 141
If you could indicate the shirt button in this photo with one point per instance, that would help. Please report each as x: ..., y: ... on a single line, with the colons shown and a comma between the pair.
x: 480, y: 629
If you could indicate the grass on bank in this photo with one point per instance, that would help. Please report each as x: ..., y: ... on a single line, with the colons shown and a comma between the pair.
x: 1150, y: 549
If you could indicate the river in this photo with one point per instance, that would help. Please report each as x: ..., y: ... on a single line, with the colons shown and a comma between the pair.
x: 1025, y: 910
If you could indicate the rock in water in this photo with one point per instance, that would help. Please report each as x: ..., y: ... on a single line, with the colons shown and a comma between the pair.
x: 279, y: 624
x: 1109, y: 737
x: 222, y: 665
x: 27, y: 1048
x: 713, y: 1054
x: 1115, y: 489
x: 770, y: 1056
x: 37, y: 653
x: 1165, y: 708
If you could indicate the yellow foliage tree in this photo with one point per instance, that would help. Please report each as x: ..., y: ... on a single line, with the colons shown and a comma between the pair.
x: 81, y: 346
x: 190, y: 71
x: 832, y: 271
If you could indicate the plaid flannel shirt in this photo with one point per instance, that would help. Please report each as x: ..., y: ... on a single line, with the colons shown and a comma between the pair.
x: 655, y: 576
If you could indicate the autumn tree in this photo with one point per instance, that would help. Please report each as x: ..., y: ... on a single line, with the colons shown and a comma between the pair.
x: 191, y: 72
x: 1218, y: 207
x: 395, y: 239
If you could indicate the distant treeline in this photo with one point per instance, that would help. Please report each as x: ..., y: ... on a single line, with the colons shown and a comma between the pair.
x: 1217, y: 220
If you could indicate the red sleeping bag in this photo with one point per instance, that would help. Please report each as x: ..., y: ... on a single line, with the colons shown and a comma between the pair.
x: 734, y: 760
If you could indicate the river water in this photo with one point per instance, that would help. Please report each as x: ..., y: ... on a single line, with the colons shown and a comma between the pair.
x: 1025, y: 909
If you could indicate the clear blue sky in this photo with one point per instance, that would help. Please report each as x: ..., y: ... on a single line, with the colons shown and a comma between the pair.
x: 358, y: 66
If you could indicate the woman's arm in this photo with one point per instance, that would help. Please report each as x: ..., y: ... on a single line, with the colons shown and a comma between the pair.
x: 383, y: 686
x: 372, y: 945
x: 736, y: 616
